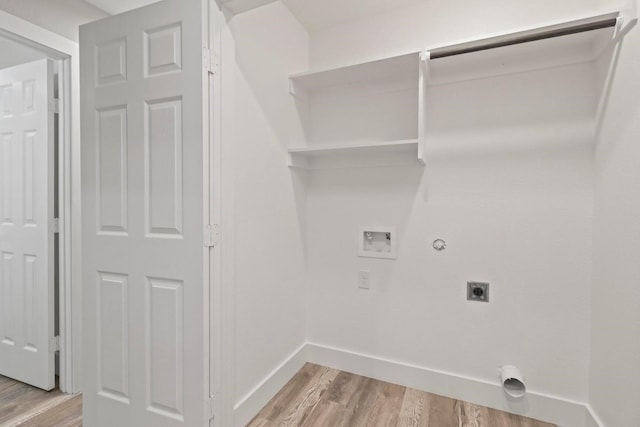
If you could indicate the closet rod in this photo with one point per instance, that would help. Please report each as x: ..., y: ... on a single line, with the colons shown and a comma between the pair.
x: 567, y: 28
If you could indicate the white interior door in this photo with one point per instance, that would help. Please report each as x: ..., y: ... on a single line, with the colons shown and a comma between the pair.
x: 145, y: 274
x: 26, y: 233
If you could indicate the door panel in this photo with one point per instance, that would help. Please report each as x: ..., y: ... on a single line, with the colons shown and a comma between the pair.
x: 26, y: 209
x: 143, y: 170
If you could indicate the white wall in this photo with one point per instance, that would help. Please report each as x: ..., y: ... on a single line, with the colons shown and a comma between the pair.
x: 270, y: 310
x: 14, y: 53
x: 60, y: 16
x: 514, y: 204
x: 521, y: 221
x: 615, y: 342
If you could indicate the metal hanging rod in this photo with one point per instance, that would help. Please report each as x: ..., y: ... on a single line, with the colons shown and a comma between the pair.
x: 564, y: 29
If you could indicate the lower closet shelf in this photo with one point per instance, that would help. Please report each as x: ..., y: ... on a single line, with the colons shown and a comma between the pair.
x: 395, y: 153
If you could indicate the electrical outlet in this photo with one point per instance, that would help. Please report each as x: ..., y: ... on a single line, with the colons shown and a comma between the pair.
x: 364, y: 279
x: 478, y: 291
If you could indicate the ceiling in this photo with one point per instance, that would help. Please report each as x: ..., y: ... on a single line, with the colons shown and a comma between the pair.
x: 313, y: 14
x: 319, y: 14
x: 113, y: 7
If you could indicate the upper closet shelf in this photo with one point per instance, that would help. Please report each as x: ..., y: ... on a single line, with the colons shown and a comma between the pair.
x: 541, y: 33
x: 565, y: 43
x: 399, y: 67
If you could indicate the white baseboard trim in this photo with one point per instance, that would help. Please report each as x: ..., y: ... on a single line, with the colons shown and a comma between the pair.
x: 249, y: 406
x: 564, y: 413
x: 592, y: 419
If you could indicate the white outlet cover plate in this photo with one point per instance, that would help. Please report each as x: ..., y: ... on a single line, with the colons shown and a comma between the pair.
x: 377, y: 242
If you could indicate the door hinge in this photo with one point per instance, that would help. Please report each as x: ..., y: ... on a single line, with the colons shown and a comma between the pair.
x: 211, y: 407
x: 209, y: 60
x: 54, y: 344
x: 54, y: 105
x: 54, y: 225
x: 211, y: 235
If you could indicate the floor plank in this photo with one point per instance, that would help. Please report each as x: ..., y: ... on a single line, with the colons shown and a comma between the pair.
x: 300, y: 409
x: 24, y: 405
x: 67, y: 414
x: 291, y: 392
x: 414, y: 411
x: 442, y: 411
x: 328, y: 413
x: 320, y: 397
x: 18, y: 398
x: 385, y: 412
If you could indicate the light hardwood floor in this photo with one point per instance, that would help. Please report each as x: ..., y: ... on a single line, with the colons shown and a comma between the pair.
x: 26, y: 406
x: 316, y: 397
x: 324, y: 397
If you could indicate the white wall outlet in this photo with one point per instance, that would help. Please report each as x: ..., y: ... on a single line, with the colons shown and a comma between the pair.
x: 478, y: 291
x: 364, y: 279
x: 377, y: 242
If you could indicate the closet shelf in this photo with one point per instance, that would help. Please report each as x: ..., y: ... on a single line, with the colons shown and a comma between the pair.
x: 565, y: 43
x: 393, y: 153
x: 396, y: 68
x: 389, y: 99
x: 348, y: 111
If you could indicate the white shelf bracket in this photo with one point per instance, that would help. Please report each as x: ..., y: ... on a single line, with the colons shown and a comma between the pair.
x: 423, y: 84
x: 627, y: 19
x: 425, y: 56
x: 425, y: 60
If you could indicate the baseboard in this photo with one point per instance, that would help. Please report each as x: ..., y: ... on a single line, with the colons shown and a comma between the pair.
x: 592, y: 419
x: 256, y: 399
x: 564, y: 413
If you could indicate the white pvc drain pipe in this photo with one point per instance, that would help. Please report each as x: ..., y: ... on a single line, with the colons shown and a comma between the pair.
x: 512, y: 381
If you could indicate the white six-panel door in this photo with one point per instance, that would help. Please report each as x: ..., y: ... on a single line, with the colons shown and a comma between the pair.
x: 145, y: 277
x: 26, y: 233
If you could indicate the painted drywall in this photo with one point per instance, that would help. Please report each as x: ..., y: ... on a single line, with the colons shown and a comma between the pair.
x: 508, y: 184
x: 615, y: 319
x: 14, y: 53
x: 60, y: 16
x: 269, y: 277
x: 519, y: 221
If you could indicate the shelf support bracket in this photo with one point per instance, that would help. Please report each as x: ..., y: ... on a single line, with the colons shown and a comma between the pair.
x: 425, y: 60
x: 627, y: 19
x: 423, y: 84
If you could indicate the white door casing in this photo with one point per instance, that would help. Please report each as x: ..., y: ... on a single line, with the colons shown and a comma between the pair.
x: 144, y: 186
x: 26, y: 224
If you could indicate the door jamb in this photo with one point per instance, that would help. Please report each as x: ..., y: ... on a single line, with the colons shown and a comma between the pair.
x: 70, y: 309
x: 221, y: 330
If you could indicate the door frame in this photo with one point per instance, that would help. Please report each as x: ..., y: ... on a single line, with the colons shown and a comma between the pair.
x: 66, y: 53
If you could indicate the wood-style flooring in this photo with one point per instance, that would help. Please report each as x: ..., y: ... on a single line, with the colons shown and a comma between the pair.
x: 26, y: 406
x: 315, y: 397
x: 324, y: 397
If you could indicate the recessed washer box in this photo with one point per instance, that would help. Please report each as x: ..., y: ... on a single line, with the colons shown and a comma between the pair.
x: 377, y: 242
